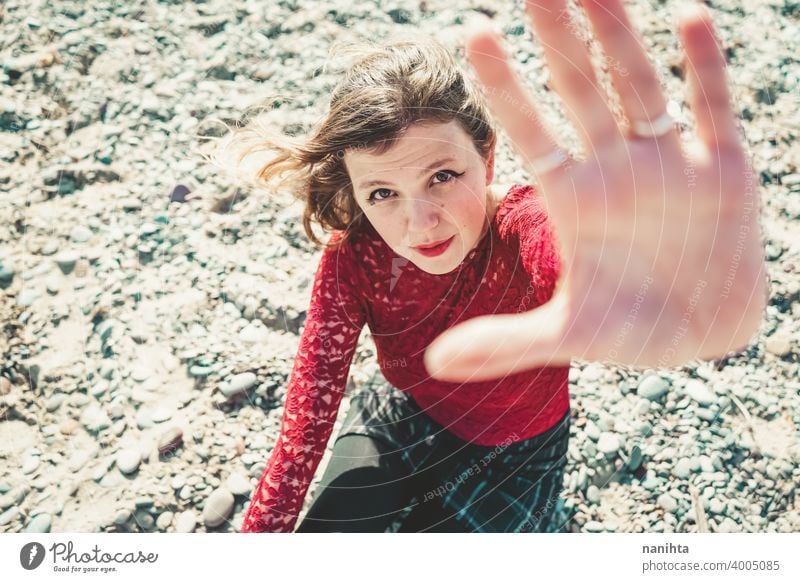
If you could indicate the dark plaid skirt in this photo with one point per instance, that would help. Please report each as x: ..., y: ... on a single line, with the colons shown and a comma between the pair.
x: 509, y: 487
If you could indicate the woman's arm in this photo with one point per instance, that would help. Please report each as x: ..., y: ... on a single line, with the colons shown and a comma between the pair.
x: 316, y: 387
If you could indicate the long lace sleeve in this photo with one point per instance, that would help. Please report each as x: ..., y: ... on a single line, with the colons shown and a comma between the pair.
x: 316, y: 387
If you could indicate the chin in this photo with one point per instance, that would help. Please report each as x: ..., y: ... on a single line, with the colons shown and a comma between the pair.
x: 434, y: 267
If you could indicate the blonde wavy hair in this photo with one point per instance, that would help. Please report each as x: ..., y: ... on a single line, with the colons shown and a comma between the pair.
x: 385, y: 89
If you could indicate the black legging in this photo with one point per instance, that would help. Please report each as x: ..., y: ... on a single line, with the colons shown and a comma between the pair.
x: 365, y: 489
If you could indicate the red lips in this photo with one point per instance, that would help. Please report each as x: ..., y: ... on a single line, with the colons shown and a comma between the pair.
x: 434, y: 249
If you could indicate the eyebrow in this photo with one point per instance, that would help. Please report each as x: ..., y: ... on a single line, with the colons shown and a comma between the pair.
x: 423, y: 171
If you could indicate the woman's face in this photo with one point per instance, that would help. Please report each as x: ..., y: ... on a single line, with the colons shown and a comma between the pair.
x: 431, y: 186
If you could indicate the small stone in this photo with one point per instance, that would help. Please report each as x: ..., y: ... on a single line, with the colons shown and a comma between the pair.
x: 682, y: 469
x: 40, y: 524
x: 186, y: 522
x: 238, y: 384
x: 792, y: 181
x: 254, y: 334
x: 636, y: 457
x: 652, y: 388
x: 162, y: 414
x: 179, y: 193
x: 594, y: 526
x: 122, y: 517
x: 238, y: 484
x: 30, y: 465
x: 706, y: 464
x: 700, y: 393
x: 164, y: 520
x: 592, y: 431
x: 66, y: 261
x: 26, y: 297
x: 144, y: 502
x: 140, y: 373
x: 199, y: 371
x: 6, y: 275
x: 779, y: 345
x: 593, y: 494
x: 95, y: 419
x: 716, y: 506
x: 144, y: 520
x: 608, y: 443
x: 218, y: 508
x: 170, y: 440
x: 9, y: 515
x: 128, y: 460
x: 667, y: 503
x: 80, y: 234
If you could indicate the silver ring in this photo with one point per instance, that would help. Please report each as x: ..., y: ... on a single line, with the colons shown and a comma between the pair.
x: 657, y: 127
x: 548, y: 162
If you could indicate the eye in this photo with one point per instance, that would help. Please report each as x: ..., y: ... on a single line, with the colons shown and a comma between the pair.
x: 376, y: 196
x: 446, y: 176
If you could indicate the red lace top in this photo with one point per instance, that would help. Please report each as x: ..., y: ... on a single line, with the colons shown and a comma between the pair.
x: 513, y: 268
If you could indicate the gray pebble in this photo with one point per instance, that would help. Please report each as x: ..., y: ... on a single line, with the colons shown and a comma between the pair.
x: 218, y: 508
x: 186, y: 522
x: 594, y: 527
x: 122, y: 517
x: 66, y: 261
x: 80, y: 234
x: 700, y: 393
x: 164, y: 521
x: 608, y: 443
x: 652, y: 387
x: 238, y: 384
x: 144, y: 520
x: 592, y: 431
x: 27, y: 296
x: 95, y: 419
x: 128, y: 460
x: 9, y: 515
x: 169, y: 441
x: 40, y: 524
x: 162, y: 414
x: 667, y: 503
x: 54, y: 402
x: 30, y: 465
x: 238, y: 484
x: 682, y: 469
x: 593, y: 494
x: 716, y: 506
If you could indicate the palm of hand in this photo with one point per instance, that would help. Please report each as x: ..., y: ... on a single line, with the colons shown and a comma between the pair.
x: 661, y: 247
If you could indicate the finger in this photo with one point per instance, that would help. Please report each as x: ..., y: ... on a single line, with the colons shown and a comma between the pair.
x: 573, y: 75
x: 494, y: 346
x: 509, y: 102
x: 708, y: 87
x: 632, y: 73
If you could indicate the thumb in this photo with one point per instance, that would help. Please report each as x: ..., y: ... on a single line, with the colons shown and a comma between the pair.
x: 494, y: 346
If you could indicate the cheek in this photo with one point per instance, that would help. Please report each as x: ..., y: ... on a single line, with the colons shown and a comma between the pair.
x: 389, y: 228
x: 470, y: 207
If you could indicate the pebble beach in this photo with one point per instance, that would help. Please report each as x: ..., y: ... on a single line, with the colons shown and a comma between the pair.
x: 151, y: 303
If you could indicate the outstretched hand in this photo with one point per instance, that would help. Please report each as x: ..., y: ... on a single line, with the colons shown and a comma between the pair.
x: 662, y: 260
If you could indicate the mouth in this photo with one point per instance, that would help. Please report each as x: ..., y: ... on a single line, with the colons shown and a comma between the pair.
x: 434, y: 249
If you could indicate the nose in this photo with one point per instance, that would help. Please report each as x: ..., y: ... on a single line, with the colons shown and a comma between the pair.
x: 422, y: 215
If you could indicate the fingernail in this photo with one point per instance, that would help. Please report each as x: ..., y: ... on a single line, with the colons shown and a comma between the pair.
x: 690, y: 11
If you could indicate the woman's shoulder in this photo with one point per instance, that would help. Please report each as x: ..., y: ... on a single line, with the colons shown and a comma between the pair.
x: 355, y: 250
x: 509, y: 197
